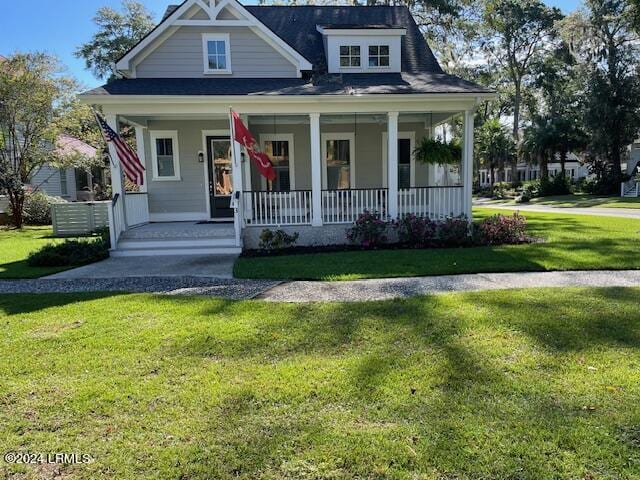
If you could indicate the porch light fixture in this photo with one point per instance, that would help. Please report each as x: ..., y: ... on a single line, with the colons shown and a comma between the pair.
x: 200, y: 157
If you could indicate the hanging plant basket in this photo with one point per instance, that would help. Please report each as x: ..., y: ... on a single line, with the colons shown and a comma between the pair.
x: 437, y: 152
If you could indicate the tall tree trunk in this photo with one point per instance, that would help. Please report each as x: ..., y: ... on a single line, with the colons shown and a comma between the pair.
x: 544, y: 167
x: 563, y: 161
x: 16, y: 200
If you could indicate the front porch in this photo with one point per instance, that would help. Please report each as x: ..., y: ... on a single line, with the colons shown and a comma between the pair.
x: 330, y: 168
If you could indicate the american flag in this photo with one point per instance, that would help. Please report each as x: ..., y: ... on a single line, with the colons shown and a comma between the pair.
x: 130, y: 162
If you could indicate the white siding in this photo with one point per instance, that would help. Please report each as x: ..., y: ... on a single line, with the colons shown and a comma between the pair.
x: 181, y: 56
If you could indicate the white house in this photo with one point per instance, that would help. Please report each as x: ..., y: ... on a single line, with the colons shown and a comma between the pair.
x: 574, y: 168
x: 337, y: 96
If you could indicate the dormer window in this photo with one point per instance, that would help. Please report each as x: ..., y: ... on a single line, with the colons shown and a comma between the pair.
x: 350, y: 56
x: 379, y: 55
x: 217, y: 56
x: 363, y: 48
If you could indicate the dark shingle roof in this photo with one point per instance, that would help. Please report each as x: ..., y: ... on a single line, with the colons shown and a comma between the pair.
x: 346, y: 84
x: 297, y: 27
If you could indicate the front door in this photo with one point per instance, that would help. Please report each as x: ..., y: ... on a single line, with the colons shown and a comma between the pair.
x: 220, y: 176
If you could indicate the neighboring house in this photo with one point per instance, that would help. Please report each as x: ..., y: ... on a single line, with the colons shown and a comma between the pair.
x: 574, y: 168
x: 72, y: 184
x: 337, y: 96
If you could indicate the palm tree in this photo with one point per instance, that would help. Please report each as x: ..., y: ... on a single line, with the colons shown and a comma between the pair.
x: 494, y: 146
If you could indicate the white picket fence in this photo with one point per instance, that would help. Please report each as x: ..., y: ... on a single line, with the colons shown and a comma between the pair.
x: 79, y: 218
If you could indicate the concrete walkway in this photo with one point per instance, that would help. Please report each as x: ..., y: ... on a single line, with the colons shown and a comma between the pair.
x: 354, y: 291
x: 202, y: 266
x: 596, y: 211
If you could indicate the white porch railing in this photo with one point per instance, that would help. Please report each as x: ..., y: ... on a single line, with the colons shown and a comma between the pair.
x: 277, y: 208
x: 137, y: 205
x: 433, y: 202
x: 344, y: 206
x: 117, y: 223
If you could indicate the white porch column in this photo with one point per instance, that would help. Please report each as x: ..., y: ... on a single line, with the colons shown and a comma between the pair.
x: 236, y: 174
x: 247, y: 208
x: 117, y: 182
x: 392, y: 164
x: 116, y: 170
x: 142, y: 156
x: 316, y: 170
x: 468, y: 163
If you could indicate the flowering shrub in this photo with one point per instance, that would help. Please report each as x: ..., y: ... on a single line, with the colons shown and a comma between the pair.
x: 37, y: 208
x: 369, y: 230
x: 501, y: 229
x: 453, y: 232
x: 414, y: 231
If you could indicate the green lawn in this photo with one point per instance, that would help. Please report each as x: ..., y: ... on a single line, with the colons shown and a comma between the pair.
x: 577, y: 242
x: 16, y: 245
x: 525, y: 384
x: 582, y: 201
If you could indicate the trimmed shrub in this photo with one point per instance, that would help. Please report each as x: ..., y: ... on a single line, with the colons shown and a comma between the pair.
x: 502, y: 229
x: 414, y: 231
x: 37, y: 208
x: 558, y: 185
x: 369, y: 230
x: 270, y: 240
x: 69, y: 253
x: 453, y: 232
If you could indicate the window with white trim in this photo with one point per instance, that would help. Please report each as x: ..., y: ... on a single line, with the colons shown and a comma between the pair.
x: 217, y: 56
x: 349, y: 55
x: 338, y: 158
x: 378, y: 55
x: 164, y: 152
x: 278, y: 152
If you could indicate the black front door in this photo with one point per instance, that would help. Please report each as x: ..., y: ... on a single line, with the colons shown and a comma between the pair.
x: 220, y: 179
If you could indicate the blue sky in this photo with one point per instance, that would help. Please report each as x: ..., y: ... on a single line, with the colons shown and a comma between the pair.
x: 59, y: 26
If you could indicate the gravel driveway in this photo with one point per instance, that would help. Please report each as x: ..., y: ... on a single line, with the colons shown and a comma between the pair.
x: 354, y: 291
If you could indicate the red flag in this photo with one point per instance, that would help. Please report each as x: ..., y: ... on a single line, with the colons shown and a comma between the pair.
x: 243, y: 136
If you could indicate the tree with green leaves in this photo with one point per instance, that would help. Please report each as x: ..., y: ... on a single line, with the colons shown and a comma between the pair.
x: 516, y: 33
x: 494, y: 146
x: 603, y: 40
x: 33, y: 97
x: 117, y: 33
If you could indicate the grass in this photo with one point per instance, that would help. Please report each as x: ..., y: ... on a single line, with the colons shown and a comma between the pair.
x: 15, y: 247
x: 572, y: 242
x: 581, y: 201
x: 525, y: 384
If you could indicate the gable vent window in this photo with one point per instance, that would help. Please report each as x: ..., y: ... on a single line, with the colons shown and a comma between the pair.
x: 349, y: 56
x: 217, y: 57
x: 379, y: 56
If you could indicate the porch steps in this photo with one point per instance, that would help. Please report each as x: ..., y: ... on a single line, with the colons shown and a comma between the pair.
x: 177, y: 238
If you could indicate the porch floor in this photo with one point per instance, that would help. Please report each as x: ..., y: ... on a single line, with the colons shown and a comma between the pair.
x: 179, y: 231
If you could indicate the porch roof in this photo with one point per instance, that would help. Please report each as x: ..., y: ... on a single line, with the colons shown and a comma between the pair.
x: 332, y: 84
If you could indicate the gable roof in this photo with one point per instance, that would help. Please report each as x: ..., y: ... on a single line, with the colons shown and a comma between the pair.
x: 296, y: 25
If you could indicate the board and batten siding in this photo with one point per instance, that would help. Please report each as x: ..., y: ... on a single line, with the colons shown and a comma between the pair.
x: 181, y: 56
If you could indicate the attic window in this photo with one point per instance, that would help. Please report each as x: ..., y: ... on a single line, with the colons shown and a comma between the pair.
x: 379, y: 55
x: 349, y: 56
x: 217, y: 57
